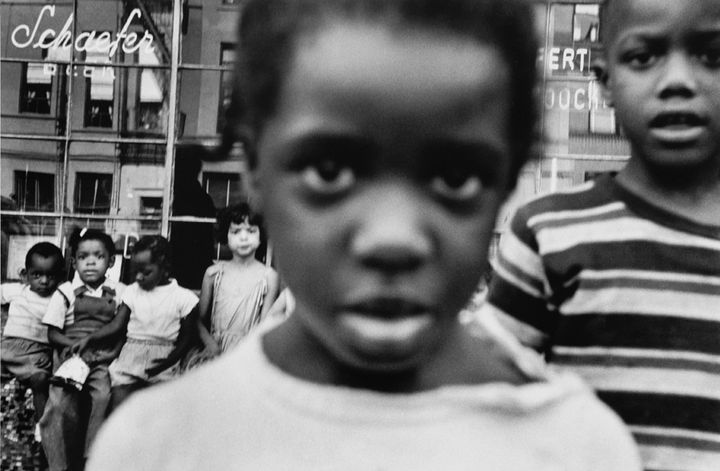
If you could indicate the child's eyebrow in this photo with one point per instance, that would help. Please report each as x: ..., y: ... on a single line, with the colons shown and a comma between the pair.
x: 331, y: 144
x: 709, y: 35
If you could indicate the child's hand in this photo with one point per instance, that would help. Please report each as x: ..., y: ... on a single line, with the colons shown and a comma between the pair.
x: 79, y: 346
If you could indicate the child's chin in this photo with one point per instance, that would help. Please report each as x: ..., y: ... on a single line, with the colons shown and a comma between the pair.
x: 387, y: 345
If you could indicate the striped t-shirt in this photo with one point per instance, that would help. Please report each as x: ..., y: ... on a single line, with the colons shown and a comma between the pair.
x: 627, y: 295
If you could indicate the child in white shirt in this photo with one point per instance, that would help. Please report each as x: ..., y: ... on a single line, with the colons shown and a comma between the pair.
x: 157, y: 317
x: 26, y: 353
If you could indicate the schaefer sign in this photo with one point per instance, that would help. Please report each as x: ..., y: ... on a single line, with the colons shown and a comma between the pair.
x: 25, y: 35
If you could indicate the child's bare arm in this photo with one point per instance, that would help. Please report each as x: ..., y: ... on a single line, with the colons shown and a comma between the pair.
x: 106, y: 356
x: 272, y: 294
x: 111, y: 331
x: 204, y: 311
x: 186, y: 338
x: 58, y: 340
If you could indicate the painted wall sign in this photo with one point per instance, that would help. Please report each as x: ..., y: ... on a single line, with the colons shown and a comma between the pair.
x: 574, y: 96
x: 102, y: 42
x: 566, y: 59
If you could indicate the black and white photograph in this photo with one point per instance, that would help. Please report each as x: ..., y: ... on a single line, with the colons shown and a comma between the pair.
x: 356, y: 235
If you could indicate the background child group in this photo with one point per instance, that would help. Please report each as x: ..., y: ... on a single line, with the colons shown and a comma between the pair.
x: 130, y: 337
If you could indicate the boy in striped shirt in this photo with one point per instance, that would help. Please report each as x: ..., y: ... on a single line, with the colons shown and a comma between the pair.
x: 619, y: 279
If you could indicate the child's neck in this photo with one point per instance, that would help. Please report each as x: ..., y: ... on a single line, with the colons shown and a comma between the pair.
x: 692, y: 195
x: 245, y: 261
x: 95, y: 284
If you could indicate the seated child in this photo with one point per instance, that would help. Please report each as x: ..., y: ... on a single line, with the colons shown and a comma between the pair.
x: 76, y: 310
x: 619, y: 279
x: 383, y: 138
x: 157, y: 317
x: 236, y: 295
x: 26, y: 353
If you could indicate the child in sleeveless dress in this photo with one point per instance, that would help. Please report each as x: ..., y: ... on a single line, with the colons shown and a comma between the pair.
x: 236, y: 294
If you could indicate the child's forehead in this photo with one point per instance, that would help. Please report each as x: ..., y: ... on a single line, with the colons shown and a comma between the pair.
x: 659, y: 18
x: 91, y: 245
x: 243, y: 224
x: 41, y: 262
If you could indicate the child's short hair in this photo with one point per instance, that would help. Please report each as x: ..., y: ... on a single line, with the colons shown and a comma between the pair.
x: 269, y: 30
x: 81, y: 235
x: 238, y: 214
x: 46, y: 250
x: 159, y: 249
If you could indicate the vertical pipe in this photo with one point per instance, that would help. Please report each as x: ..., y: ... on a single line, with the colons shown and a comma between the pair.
x: 543, y: 90
x: 64, y: 177
x: 172, y: 118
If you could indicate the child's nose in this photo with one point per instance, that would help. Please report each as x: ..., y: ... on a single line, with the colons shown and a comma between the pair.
x: 392, y: 236
x: 678, y: 78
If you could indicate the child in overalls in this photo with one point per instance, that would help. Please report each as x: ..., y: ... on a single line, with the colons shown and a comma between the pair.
x: 78, y: 309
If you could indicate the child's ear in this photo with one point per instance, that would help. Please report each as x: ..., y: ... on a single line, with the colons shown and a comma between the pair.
x: 73, y: 262
x: 600, y: 67
x: 111, y: 260
x: 23, y: 274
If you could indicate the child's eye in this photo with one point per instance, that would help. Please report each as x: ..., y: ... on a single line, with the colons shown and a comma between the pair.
x: 640, y: 59
x: 457, y: 184
x: 328, y: 176
x: 711, y: 57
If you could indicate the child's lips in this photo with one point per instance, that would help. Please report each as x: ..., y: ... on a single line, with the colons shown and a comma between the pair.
x: 678, y: 127
x: 386, y: 325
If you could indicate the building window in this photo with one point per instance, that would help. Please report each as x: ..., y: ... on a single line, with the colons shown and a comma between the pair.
x: 99, y: 88
x: 151, y: 94
x: 34, y: 191
x: 227, y: 57
x: 92, y: 193
x: 223, y: 188
x: 150, y: 206
x: 35, y: 89
x: 586, y: 23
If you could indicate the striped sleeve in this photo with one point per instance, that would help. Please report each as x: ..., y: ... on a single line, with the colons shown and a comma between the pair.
x: 519, y: 288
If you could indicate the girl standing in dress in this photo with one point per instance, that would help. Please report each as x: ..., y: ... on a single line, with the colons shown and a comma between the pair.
x: 236, y: 294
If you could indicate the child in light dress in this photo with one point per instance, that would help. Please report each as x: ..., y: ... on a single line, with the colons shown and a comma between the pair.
x: 383, y: 136
x: 236, y: 294
x: 157, y: 317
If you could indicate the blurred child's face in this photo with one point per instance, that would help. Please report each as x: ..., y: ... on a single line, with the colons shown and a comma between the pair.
x: 243, y: 239
x: 664, y: 78
x: 380, y: 176
x: 43, y: 274
x: 148, y: 273
x: 92, y: 261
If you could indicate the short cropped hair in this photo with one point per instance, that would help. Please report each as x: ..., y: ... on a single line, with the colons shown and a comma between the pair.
x: 269, y: 31
x: 81, y: 235
x: 159, y: 248
x: 238, y: 214
x: 46, y: 250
